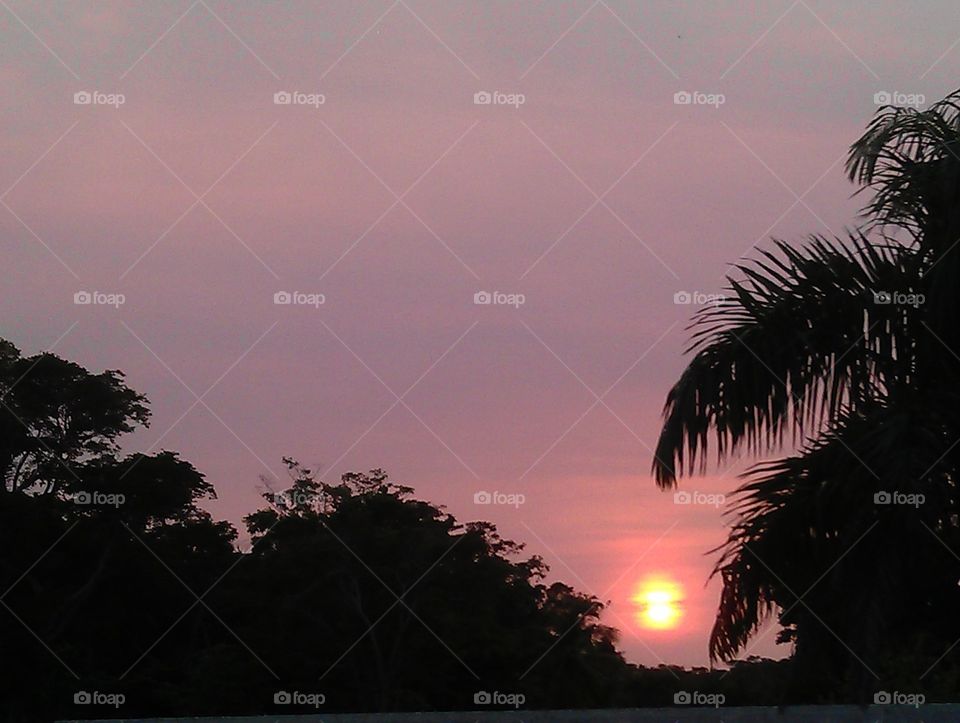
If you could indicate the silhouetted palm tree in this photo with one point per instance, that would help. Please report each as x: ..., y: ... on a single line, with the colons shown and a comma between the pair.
x: 848, y: 350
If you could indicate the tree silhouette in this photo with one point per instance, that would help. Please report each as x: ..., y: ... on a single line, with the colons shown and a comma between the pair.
x: 846, y: 348
x: 55, y: 414
x: 114, y: 578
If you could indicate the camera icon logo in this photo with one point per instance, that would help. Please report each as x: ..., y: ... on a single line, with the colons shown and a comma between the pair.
x: 82, y: 498
x: 482, y: 97
x: 83, y: 297
x: 882, y: 297
x: 481, y: 697
x: 882, y: 97
x: 82, y: 97
x: 282, y: 697
x: 282, y: 297
x: 682, y: 498
x: 682, y: 97
x: 81, y: 697
x: 682, y: 297
x: 282, y: 97
x: 681, y: 697
x: 483, y: 297
x: 882, y: 498
x: 881, y: 697
x: 482, y: 498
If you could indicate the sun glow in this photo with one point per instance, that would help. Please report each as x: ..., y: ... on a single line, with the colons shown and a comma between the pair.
x: 659, y: 603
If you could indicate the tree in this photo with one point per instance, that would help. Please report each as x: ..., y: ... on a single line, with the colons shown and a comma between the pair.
x: 55, y: 414
x: 394, y: 604
x: 845, y: 348
x: 112, y: 571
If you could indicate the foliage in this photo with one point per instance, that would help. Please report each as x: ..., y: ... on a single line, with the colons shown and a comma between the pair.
x: 845, y: 349
x: 115, y: 579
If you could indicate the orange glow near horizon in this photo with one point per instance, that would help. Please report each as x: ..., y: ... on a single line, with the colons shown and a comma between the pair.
x: 658, y: 600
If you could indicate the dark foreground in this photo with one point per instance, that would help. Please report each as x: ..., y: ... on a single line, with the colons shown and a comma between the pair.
x: 794, y: 714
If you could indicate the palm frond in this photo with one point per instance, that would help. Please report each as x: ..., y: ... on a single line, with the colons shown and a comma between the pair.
x: 799, y: 518
x: 910, y: 159
x: 800, y: 337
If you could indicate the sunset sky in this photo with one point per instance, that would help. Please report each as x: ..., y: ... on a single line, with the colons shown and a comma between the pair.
x: 584, y: 191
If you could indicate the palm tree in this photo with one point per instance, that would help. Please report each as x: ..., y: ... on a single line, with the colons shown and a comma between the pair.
x: 846, y: 349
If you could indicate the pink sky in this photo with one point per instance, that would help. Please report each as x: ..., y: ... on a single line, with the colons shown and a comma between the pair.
x: 493, y: 198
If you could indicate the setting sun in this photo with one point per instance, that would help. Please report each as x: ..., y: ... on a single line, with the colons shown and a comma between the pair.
x: 658, y: 603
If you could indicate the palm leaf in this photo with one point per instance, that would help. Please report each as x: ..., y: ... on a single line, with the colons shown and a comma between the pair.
x: 799, y: 338
x: 910, y: 159
x: 801, y: 522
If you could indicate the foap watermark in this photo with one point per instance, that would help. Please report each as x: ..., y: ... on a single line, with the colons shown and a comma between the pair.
x: 483, y: 697
x: 99, y: 298
x: 514, y: 499
x: 299, y: 298
x: 695, y: 697
x: 296, y: 97
x: 883, y: 697
x: 698, y: 498
x: 284, y: 697
x: 899, y: 298
x: 96, y: 697
x: 697, y: 97
x: 290, y: 498
x: 901, y: 100
x: 98, y: 499
x: 499, y: 298
x: 698, y: 298
x: 914, y: 499
x: 96, y: 97
x: 495, y: 97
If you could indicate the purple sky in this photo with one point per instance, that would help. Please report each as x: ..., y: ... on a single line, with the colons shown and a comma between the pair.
x: 598, y: 199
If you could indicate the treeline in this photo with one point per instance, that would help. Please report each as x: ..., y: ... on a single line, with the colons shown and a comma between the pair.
x: 121, y: 596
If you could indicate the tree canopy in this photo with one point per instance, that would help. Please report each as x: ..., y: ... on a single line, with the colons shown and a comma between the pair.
x: 114, y: 578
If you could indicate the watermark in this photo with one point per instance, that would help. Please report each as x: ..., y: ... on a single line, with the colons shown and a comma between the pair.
x: 485, y: 97
x: 883, y: 697
x: 698, y: 298
x: 901, y: 100
x: 295, y: 97
x: 483, y: 697
x: 899, y: 498
x: 299, y: 298
x: 95, y: 97
x: 698, y: 498
x: 290, y: 498
x: 84, y: 697
x: 695, y: 697
x: 99, y: 298
x: 499, y: 298
x: 696, y: 97
x: 99, y: 499
x: 514, y: 499
x: 283, y: 697
x: 898, y: 298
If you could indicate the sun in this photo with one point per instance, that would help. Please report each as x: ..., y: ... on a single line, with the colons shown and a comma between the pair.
x: 658, y: 602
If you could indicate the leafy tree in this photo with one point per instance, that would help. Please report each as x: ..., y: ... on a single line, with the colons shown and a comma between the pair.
x: 845, y: 348
x: 92, y: 580
x: 396, y: 605
x: 114, y: 578
x: 54, y: 414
